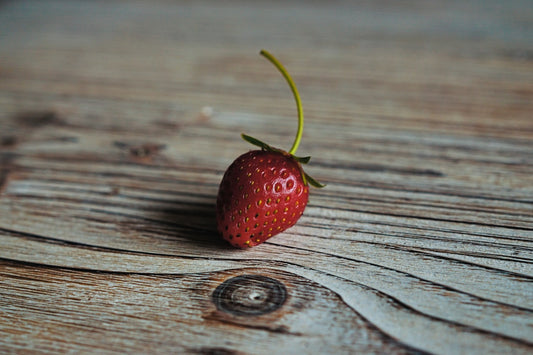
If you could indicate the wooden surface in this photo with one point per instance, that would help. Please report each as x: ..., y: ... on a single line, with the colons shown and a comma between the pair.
x: 118, y: 119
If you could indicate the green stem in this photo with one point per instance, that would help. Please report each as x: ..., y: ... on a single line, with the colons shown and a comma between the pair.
x: 287, y: 77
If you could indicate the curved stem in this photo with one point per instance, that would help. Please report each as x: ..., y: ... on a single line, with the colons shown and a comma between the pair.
x: 287, y: 77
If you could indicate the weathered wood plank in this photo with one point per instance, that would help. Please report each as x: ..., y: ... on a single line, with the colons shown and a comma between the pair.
x: 118, y: 119
x: 187, y: 321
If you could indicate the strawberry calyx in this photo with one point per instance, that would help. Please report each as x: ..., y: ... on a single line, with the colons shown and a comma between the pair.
x: 301, y: 160
x: 267, y: 147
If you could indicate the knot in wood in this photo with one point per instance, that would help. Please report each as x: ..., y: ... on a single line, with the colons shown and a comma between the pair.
x: 249, y: 295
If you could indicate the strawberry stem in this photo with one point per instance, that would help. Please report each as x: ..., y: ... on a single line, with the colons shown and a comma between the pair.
x: 287, y: 77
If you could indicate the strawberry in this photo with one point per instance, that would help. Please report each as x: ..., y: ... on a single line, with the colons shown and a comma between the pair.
x: 264, y: 192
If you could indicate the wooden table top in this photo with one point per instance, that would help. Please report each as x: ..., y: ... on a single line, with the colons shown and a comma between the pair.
x: 119, y: 118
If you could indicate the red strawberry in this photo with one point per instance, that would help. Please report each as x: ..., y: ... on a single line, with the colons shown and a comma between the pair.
x: 262, y: 193
x: 265, y: 191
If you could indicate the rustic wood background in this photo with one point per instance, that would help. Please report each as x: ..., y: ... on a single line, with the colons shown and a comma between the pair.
x: 118, y: 119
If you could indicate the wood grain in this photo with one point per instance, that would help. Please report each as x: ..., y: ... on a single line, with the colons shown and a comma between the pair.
x: 118, y: 119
